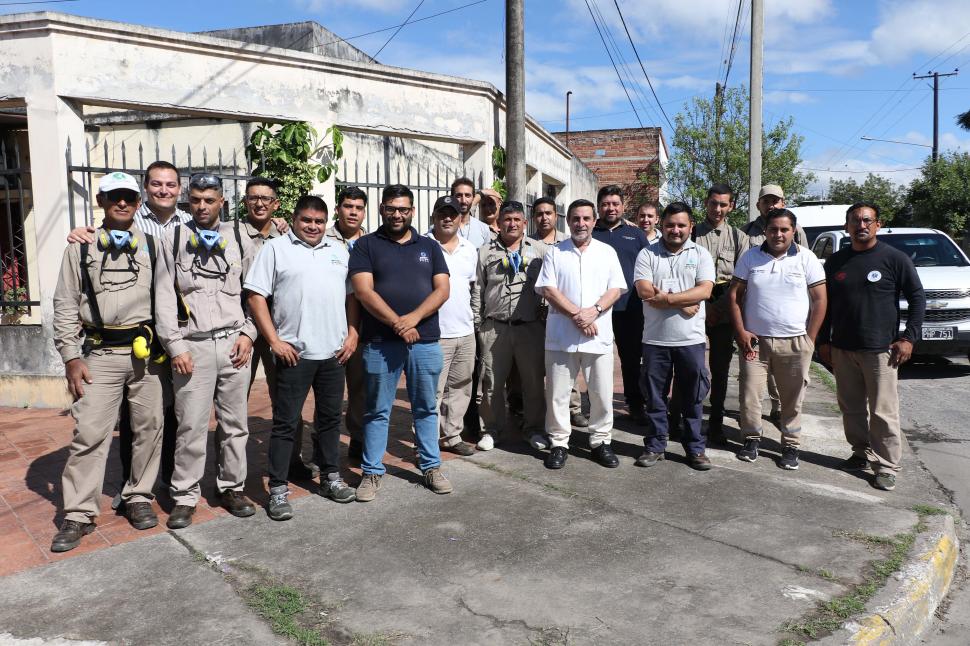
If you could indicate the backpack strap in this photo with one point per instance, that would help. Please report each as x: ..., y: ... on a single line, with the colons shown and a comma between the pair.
x: 152, y: 257
x: 182, y: 309
x: 88, y: 287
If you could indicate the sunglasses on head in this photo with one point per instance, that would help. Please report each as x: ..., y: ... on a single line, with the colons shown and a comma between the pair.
x: 203, y: 181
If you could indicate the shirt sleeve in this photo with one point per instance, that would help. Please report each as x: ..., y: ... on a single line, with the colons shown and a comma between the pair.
x: 547, y: 275
x: 705, y: 266
x: 742, y: 270
x: 262, y: 274
x: 67, y: 304
x: 814, y: 271
x: 616, y: 278
x: 642, y: 269
x: 360, y: 262
x: 912, y: 289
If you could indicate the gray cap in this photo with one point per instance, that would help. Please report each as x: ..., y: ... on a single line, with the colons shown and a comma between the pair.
x: 771, y: 189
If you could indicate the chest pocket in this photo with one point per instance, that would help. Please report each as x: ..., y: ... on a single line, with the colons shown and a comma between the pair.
x: 115, y: 271
x: 795, y: 279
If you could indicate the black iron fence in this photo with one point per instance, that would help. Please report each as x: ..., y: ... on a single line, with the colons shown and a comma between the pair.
x: 15, y: 204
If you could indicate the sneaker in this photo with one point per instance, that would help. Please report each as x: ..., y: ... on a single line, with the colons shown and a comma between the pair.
x: 337, y: 490
x: 789, y: 458
x: 462, y: 448
x: 436, y: 481
x: 648, y: 459
x: 278, y: 507
x: 750, y: 451
x: 855, y: 463
x: 368, y: 487
x: 539, y: 441
x: 884, y: 481
x: 487, y: 443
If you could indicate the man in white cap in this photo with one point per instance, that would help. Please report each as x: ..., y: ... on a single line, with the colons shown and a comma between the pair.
x: 103, y: 330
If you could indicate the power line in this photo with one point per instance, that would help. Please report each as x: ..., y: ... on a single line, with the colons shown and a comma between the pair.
x: 11, y: 4
x: 400, y: 27
x: 834, y: 170
x: 615, y: 68
x: 734, y: 44
x: 639, y: 60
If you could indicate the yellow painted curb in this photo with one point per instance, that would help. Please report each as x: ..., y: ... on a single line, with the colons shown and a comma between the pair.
x: 923, y: 583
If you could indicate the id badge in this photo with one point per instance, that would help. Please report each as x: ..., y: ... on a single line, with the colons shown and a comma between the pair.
x: 669, y: 285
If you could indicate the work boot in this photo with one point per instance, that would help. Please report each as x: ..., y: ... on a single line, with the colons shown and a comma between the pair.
x: 649, y: 459
x: 69, y: 536
x: 180, y: 517
x: 436, y: 481
x: 699, y: 461
x: 368, y: 487
x: 140, y: 515
x: 237, y: 504
x: 462, y: 448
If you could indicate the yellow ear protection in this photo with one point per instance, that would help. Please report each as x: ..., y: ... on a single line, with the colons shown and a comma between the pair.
x: 121, y: 240
x: 141, y: 347
x: 516, y: 261
x: 209, y: 239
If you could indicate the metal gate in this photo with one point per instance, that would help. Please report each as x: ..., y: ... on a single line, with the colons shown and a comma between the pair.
x: 15, y: 203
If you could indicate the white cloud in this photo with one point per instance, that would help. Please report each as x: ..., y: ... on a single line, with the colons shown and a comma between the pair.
x: 909, y: 27
x: 857, y: 168
x: 782, y: 96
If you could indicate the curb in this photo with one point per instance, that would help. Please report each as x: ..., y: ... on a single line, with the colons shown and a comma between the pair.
x: 905, y: 607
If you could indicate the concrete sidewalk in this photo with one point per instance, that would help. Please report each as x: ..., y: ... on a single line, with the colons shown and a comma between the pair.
x: 518, y: 554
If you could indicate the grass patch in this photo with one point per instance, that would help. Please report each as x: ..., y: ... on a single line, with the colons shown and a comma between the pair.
x: 281, y: 605
x: 823, y: 376
x: 929, y: 510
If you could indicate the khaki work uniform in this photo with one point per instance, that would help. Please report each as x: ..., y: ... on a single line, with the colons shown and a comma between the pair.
x: 210, y: 283
x: 121, y: 282
x: 511, y: 334
x: 354, y: 368
x: 726, y: 244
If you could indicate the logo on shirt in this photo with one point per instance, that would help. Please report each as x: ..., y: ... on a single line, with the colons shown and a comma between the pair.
x: 874, y: 276
x: 840, y: 275
x: 629, y: 238
x: 423, y: 257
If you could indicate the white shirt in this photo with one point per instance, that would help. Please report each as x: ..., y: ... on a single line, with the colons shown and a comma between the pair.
x: 673, y: 273
x: 776, y: 302
x: 455, y: 316
x: 582, y: 277
x: 309, y: 289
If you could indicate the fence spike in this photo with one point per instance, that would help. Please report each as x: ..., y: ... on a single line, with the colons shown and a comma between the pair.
x: 157, y: 151
x: 87, y: 152
x: 124, y: 157
x: 205, y: 162
x: 106, y: 153
x: 188, y: 154
x: 173, y: 155
x: 235, y: 164
x: 220, y: 160
x: 67, y: 154
x: 16, y: 154
x: 3, y: 153
x: 141, y: 156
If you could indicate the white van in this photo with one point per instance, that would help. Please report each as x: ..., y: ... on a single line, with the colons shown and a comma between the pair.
x: 817, y: 218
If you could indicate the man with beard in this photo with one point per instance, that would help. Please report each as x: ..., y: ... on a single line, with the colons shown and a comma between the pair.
x: 470, y: 228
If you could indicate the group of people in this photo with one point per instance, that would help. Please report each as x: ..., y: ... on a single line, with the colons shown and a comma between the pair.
x: 161, y: 315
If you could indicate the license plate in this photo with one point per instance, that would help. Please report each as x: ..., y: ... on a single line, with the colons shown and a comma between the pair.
x: 937, y: 333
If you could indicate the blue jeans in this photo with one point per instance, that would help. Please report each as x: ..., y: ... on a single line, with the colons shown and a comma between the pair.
x: 383, y: 363
x: 692, y: 385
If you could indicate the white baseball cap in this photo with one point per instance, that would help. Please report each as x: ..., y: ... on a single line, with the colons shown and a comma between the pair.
x: 116, y: 180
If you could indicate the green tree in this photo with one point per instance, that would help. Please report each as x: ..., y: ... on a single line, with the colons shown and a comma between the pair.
x: 889, y: 197
x: 711, y: 145
x: 940, y: 197
x: 292, y: 155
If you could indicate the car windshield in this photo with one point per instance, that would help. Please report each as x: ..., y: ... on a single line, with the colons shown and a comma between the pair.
x: 924, y: 249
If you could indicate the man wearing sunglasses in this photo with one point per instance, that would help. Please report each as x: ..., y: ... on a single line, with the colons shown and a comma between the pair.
x: 209, y: 337
x: 102, y: 330
x: 401, y: 279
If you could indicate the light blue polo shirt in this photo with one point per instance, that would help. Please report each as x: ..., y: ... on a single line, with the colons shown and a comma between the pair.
x: 309, y: 287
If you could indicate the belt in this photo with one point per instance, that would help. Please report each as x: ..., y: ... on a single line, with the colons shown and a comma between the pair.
x: 221, y: 333
x: 509, y: 322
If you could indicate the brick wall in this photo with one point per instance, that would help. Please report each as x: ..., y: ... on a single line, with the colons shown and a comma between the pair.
x: 627, y: 156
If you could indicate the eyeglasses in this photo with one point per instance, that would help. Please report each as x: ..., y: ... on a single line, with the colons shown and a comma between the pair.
x: 203, y: 181
x: 446, y: 214
x: 863, y: 222
x: 391, y: 210
x: 260, y: 199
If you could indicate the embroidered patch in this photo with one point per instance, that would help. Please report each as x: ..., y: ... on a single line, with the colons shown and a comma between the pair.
x: 874, y: 276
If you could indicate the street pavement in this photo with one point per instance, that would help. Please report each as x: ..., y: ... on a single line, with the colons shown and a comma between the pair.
x: 518, y: 554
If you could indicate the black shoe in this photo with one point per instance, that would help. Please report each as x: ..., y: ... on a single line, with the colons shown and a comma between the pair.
x: 715, y: 430
x: 789, y: 458
x: 699, y: 461
x: 462, y: 448
x: 750, y: 451
x: 648, y: 459
x: 356, y: 449
x: 578, y: 420
x: 140, y: 515
x: 180, y: 517
x: 605, y: 456
x: 237, y: 504
x: 70, y: 534
x: 854, y: 463
x: 556, y: 458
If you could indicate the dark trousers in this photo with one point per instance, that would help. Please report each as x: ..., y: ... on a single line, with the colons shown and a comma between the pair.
x: 293, y: 383
x: 628, y: 331
x: 126, y: 437
x: 721, y: 339
x: 692, y: 385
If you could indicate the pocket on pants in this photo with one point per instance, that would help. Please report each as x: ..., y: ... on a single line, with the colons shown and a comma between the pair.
x: 703, y: 385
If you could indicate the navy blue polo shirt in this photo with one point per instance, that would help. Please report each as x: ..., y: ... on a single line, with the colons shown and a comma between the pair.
x: 402, y: 277
x: 627, y: 240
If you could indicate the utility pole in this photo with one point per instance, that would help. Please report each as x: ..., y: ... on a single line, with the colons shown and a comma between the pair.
x: 515, y: 99
x: 567, y: 117
x: 754, y: 122
x: 936, y: 106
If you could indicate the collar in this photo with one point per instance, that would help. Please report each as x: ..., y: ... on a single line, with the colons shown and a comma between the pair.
x: 792, y: 250
x: 179, y: 217
x: 294, y: 239
x: 380, y: 233
x: 462, y: 241
x: 253, y: 232
x: 720, y: 228
x: 602, y: 227
x: 334, y: 232
x: 662, y: 246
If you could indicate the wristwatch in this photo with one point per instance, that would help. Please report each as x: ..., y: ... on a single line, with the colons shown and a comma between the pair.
x: 598, y: 308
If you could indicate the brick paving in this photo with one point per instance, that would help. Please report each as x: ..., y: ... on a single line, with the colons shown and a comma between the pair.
x: 34, y: 447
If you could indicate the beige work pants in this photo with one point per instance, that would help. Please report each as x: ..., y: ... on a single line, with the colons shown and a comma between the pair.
x: 788, y: 360
x: 454, y: 386
x: 213, y: 381
x: 503, y: 345
x: 562, y: 368
x: 866, y: 390
x: 96, y: 414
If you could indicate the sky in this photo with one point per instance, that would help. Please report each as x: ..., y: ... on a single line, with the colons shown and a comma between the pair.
x: 841, y: 69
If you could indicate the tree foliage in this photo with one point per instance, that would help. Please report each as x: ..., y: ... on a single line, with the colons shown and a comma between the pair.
x: 875, y: 189
x: 940, y: 197
x: 292, y: 155
x: 711, y: 145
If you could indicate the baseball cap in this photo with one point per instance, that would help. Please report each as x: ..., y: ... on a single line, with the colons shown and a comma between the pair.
x: 116, y: 180
x: 445, y: 202
x: 771, y: 189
